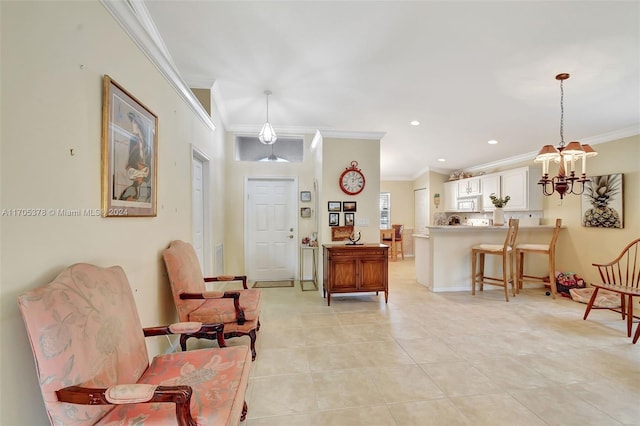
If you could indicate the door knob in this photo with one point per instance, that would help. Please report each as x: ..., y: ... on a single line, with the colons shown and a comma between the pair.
x: 290, y: 236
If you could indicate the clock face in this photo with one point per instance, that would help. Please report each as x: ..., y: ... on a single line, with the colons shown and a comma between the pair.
x: 352, y: 181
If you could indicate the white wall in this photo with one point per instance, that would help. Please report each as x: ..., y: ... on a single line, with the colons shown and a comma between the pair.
x: 54, y: 55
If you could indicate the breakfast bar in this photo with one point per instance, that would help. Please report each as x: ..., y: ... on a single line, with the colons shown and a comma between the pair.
x: 443, y: 256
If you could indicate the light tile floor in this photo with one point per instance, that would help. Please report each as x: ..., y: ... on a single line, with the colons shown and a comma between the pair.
x: 439, y: 359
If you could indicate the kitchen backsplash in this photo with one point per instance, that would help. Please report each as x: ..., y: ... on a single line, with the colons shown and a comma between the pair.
x: 478, y: 219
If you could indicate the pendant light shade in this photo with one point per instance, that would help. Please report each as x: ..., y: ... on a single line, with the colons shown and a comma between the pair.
x: 267, y: 135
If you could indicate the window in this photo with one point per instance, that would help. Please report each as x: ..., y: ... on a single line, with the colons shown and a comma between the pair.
x: 385, y: 210
x: 286, y: 149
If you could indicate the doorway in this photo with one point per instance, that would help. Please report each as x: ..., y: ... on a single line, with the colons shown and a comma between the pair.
x: 271, y: 227
x: 200, y: 209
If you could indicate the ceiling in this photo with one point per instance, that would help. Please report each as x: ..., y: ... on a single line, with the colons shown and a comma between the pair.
x: 467, y: 71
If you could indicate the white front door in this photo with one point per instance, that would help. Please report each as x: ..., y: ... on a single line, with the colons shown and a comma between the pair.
x: 271, y: 229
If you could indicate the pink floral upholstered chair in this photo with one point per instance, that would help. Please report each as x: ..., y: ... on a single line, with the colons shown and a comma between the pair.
x: 238, y: 310
x: 93, y: 366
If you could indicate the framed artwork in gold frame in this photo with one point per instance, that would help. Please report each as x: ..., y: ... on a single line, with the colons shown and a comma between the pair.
x: 129, y: 154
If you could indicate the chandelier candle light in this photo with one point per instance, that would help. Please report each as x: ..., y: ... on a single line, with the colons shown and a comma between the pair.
x: 567, y: 157
x: 267, y: 136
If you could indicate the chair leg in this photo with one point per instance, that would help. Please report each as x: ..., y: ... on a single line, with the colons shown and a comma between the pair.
x: 630, y: 316
x: 473, y: 273
x: 243, y: 416
x: 505, y: 276
x: 552, y: 275
x: 481, y: 274
x: 514, y: 284
x: 637, y: 335
x: 519, y: 269
x: 590, y: 304
x: 252, y: 336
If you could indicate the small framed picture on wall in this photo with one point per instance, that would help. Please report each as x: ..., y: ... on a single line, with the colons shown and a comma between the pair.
x: 334, y: 219
x: 305, y: 212
x: 305, y: 196
x: 349, y: 219
x: 348, y: 206
x: 334, y: 206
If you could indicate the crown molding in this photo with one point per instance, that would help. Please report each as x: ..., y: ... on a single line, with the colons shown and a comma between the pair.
x: 134, y: 18
x: 345, y: 134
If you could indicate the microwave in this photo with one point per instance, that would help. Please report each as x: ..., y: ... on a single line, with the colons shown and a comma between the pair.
x: 469, y: 204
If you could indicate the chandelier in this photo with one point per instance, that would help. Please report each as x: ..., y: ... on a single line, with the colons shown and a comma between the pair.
x: 267, y: 136
x: 566, y: 181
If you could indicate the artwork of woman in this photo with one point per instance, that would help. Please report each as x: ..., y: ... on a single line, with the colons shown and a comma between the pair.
x: 138, y: 166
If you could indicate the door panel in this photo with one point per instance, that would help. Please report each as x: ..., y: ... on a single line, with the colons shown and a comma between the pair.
x: 271, y: 229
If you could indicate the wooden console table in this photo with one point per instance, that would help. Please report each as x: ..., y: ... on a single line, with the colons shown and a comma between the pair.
x: 355, y: 269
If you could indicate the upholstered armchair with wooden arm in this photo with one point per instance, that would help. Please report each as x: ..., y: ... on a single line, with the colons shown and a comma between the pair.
x: 238, y: 310
x: 93, y: 366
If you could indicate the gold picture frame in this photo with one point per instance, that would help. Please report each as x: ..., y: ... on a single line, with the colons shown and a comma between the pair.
x: 129, y: 154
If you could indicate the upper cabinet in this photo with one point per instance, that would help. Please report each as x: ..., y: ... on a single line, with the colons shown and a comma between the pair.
x: 469, y: 187
x: 520, y: 184
x: 490, y: 185
x: 450, y: 196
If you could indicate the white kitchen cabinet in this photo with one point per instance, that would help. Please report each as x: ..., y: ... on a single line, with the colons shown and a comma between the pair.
x: 520, y: 184
x: 469, y: 187
x: 450, y: 196
x: 490, y: 185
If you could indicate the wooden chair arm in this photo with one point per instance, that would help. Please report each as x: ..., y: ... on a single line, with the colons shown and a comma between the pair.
x: 221, y: 278
x: 235, y: 295
x: 166, y: 330
x: 180, y: 395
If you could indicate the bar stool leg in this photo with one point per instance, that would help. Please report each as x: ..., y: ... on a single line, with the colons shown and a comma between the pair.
x: 505, y: 279
x: 552, y: 275
x: 473, y: 272
x: 481, y: 274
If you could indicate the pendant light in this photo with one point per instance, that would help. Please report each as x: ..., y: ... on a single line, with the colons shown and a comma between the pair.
x: 267, y: 136
x: 566, y: 181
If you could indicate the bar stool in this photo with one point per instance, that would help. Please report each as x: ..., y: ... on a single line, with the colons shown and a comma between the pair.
x: 546, y: 249
x: 506, y: 250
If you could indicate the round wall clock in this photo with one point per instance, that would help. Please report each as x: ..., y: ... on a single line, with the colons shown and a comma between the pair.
x: 352, y: 180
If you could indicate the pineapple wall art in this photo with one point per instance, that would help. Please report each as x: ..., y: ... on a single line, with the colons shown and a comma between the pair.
x: 602, y: 202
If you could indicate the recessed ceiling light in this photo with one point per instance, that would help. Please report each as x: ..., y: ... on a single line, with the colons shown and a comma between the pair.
x: 442, y: 160
x: 493, y: 142
x: 415, y: 123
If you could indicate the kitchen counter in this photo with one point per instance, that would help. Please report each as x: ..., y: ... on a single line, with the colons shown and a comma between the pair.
x: 443, y: 257
x: 484, y: 228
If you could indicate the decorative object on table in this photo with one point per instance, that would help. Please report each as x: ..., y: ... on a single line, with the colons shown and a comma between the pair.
x: 341, y: 233
x: 267, y: 135
x: 566, y: 156
x: 436, y: 200
x: 306, y: 241
x: 334, y: 206
x: 349, y: 206
x: 349, y: 219
x: 305, y: 212
x: 352, y: 180
x: 498, y: 213
x: 305, y: 196
x: 334, y: 219
x: 354, y: 237
x: 129, y: 154
x: 602, y: 202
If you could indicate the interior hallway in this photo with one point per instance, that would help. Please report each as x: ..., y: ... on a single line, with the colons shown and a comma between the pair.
x: 439, y: 359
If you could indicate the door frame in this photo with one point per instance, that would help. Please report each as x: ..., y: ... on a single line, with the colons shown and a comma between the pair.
x: 294, y: 212
x: 207, y: 247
